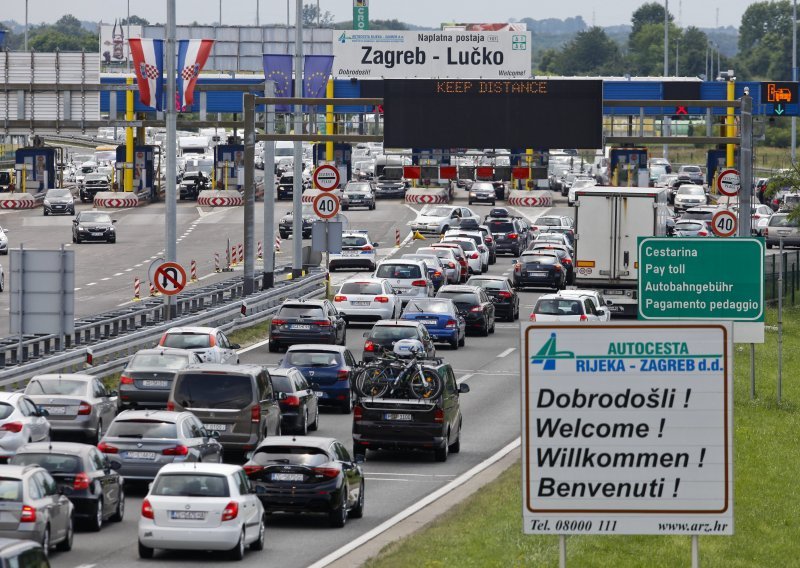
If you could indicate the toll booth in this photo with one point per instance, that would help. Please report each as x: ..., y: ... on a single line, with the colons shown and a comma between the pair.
x: 144, y: 171
x: 716, y: 161
x: 342, y: 159
x: 537, y: 161
x: 35, y: 169
x: 629, y: 167
x: 229, y: 166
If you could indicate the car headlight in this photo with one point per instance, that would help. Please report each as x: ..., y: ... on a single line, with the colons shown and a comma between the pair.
x: 47, y: 203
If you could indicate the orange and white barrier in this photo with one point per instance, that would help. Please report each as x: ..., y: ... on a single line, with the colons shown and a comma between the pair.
x: 193, y: 271
x: 136, y: 290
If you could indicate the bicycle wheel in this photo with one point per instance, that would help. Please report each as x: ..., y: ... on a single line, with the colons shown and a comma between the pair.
x: 426, y: 385
x: 373, y: 382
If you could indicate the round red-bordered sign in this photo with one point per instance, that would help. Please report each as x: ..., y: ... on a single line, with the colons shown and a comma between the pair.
x: 326, y: 177
x: 729, y: 182
x: 724, y: 223
x: 170, y: 278
x: 326, y: 205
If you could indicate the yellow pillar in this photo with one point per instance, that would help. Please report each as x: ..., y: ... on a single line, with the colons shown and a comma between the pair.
x: 529, y: 159
x: 729, y: 126
x: 129, y: 138
x: 226, y: 174
x: 329, y: 121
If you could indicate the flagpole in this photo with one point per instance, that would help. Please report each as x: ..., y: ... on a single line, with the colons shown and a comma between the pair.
x: 297, y: 192
x: 170, y: 246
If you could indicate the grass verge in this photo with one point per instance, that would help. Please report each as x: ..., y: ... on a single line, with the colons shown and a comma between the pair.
x: 486, y: 530
x: 250, y: 335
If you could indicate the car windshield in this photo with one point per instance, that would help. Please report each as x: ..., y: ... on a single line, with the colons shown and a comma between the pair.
x: 400, y: 271
x: 358, y: 188
x: 353, y: 241
x: 428, y: 306
x: 313, y: 359
x: 10, y: 489
x: 298, y: 455
x: 54, y: 463
x: 145, y: 428
x: 482, y: 185
x: 393, y: 332
x: 158, y: 361
x: 487, y: 284
x: 691, y: 169
x: 56, y: 387
x: 57, y: 193
x: 187, y: 340
x: 436, y: 211
x: 213, y: 390
x: 301, y: 312
x: 690, y: 190
x: 92, y: 217
x: 366, y: 288
x: 782, y: 221
x: 190, y: 485
x: 460, y: 297
x: 501, y: 226
x: 558, y: 307
x: 6, y: 410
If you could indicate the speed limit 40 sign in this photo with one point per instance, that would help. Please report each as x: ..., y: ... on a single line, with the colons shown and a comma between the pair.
x: 326, y: 205
x: 724, y: 223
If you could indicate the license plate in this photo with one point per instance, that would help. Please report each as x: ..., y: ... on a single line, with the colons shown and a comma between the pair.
x: 154, y: 383
x: 97, y: 234
x: 360, y: 303
x: 287, y: 477
x: 320, y: 394
x: 301, y: 326
x: 350, y: 253
x: 397, y: 416
x: 429, y: 322
x: 141, y: 455
x: 56, y: 409
x: 188, y: 515
x: 215, y: 427
x: 537, y: 274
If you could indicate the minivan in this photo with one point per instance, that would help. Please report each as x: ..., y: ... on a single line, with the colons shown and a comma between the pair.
x: 237, y: 401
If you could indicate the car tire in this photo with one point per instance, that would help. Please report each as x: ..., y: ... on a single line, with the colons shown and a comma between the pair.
x: 440, y: 454
x: 99, y: 435
x: 314, y: 426
x: 454, y: 344
x: 455, y: 447
x: 347, y: 408
x: 284, y: 235
x: 485, y: 328
x: 491, y: 329
x: 45, y: 213
x: 358, y: 510
x: 274, y: 347
x: 463, y: 340
x: 303, y: 430
x: 470, y: 202
x: 258, y: 544
x: 45, y: 542
x: 119, y: 514
x: 237, y: 552
x: 78, y: 240
x: 484, y: 268
x: 338, y: 516
x: 2, y: 282
x: 96, y: 522
x: 66, y: 544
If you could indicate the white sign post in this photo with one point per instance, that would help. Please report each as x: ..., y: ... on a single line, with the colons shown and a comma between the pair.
x: 627, y: 428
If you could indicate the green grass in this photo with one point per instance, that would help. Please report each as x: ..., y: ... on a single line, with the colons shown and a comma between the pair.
x: 486, y: 530
x: 250, y: 335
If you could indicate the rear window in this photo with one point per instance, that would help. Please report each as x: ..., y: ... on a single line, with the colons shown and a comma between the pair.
x: 10, y: 489
x: 699, y: 215
x: 142, y: 429
x: 299, y: 455
x: 56, y: 387
x: 191, y: 485
x: 301, y: 312
x: 465, y: 244
x: 691, y: 169
x: 781, y: 221
x: 187, y: 340
x: 459, y: 297
x: 429, y: 307
x: 401, y: 271
x: 313, y: 359
x: 353, y: 241
x: 393, y: 333
x: 540, y: 258
x: 6, y: 410
x: 548, y: 221
x: 487, y: 284
x: 212, y: 390
x: 558, y: 307
x: 281, y: 383
x: 158, y: 361
x: 501, y: 227
x: 54, y: 463
x: 368, y: 288
x: 688, y: 226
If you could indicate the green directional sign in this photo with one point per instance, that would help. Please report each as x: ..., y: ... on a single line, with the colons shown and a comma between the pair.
x: 697, y: 278
x: 361, y: 17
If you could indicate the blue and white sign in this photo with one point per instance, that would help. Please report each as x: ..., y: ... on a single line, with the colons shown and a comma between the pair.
x: 627, y: 428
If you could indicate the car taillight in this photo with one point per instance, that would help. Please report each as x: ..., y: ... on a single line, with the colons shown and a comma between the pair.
x: 366, y: 247
x: 12, y: 427
x: 437, y: 274
x: 107, y: 448
x: 291, y: 400
x: 125, y: 380
x: 28, y: 514
x: 342, y: 375
x: 476, y: 309
x: 438, y: 416
x: 278, y: 321
x: 474, y: 255
x: 178, y: 450
x: 419, y: 283
x: 231, y: 511
x: 488, y: 240
x: 566, y: 261
x: 557, y: 267
x: 255, y: 414
x: 517, y: 267
x: 171, y: 406
x: 512, y: 236
x: 451, y: 324
x: 358, y: 413
x: 369, y: 346
x: 322, y: 323
x: 340, y: 298
x: 81, y: 482
x: 212, y: 341
x: 451, y: 264
x: 583, y: 318
x: 532, y: 317
x: 766, y: 232
x: 382, y: 299
x: 326, y: 472
x: 84, y: 409
x: 504, y: 294
x: 253, y: 469
x: 702, y: 233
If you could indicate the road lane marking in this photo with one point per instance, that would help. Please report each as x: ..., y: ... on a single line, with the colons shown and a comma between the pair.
x: 507, y: 352
x: 465, y: 378
x: 91, y: 283
x: 128, y: 269
x: 412, y: 474
x: 418, y: 506
x: 120, y: 273
x: 104, y: 279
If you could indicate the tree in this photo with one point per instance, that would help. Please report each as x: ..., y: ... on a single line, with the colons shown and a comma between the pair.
x: 135, y: 21
x: 692, y: 52
x: 590, y: 53
x: 785, y: 179
x: 69, y: 25
x: 312, y: 15
x: 646, y: 42
x: 650, y: 13
x: 765, y: 41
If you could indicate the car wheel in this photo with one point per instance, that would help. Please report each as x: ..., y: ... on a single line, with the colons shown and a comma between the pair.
x: 462, y: 341
x: 258, y: 544
x: 315, y: 425
x: 99, y: 435
x: 44, y: 212
x: 440, y: 454
x: 347, y: 408
x: 470, y: 202
x: 455, y: 447
x: 78, y: 240
x: 303, y: 430
x: 284, y: 235
x: 485, y: 328
x: 455, y: 343
x: 96, y: 522
x: 119, y: 514
x: 46, y: 540
x: 491, y: 329
x: 358, y: 511
x: 2, y: 282
x: 484, y: 268
x: 274, y: 347
x: 237, y: 552
x: 338, y: 516
x: 145, y: 551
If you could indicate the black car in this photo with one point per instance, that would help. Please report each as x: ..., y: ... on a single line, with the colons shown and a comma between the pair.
x: 192, y: 184
x: 93, y: 226
x: 358, y: 194
x: 563, y: 254
x: 385, y: 333
x: 539, y: 270
x: 286, y: 224
x: 390, y: 187
x: 299, y: 407
x: 58, y: 201
x: 286, y: 185
x: 501, y: 292
x: 307, y: 475
x: 473, y: 305
x: 482, y: 192
x: 306, y: 321
x: 84, y: 475
x: 510, y: 235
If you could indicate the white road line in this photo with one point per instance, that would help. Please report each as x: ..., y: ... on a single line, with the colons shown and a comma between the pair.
x: 419, y: 505
x: 507, y: 352
x: 128, y: 269
x: 411, y: 474
x: 76, y: 289
x: 402, y: 244
x: 91, y: 283
x: 138, y: 265
x: 416, y: 212
x: 465, y: 378
x: 119, y: 274
x: 104, y: 279
x: 521, y: 214
x: 85, y: 565
x: 253, y: 346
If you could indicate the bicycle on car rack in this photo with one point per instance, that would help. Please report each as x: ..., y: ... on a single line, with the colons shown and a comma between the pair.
x: 391, y: 374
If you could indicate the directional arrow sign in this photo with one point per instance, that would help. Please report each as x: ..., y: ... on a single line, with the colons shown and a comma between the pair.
x: 779, y: 110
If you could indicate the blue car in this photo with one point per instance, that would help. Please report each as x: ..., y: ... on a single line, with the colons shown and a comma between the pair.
x: 440, y: 317
x: 330, y: 369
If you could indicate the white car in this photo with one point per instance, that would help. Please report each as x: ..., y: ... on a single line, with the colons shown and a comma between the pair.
x: 553, y: 238
x: 448, y: 260
x: 551, y: 221
x: 581, y: 183
x: 477, y: 259
x: 358, y: 251
x: 554, y: 307
x: 210, y: 343
x: 689, y: 196
x: 21, y: 421
x: 595, y: 296
x: 408, y: 278
x: 367, y: 299
x: 201, y: 506
x: 3, y: 241
x: 478, y: 237
x: 439, y: 218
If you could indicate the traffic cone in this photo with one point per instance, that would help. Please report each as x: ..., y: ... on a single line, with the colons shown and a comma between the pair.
x: 277, y: 243
x: 418, y: 236
x: 153, y: 291
x: 136, y: 296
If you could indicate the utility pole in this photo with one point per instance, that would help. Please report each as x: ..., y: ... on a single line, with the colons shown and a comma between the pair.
x: 794, y: 77
x: 26, y: 25
x: 170, y: 247
x: 664, y: 148
x: 297, y: 192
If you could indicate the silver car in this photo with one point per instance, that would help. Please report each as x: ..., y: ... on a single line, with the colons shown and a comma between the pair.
x: 781, y: 227
x: 147, y: 380
x: 75, y: 403
x: 210, y: 343
x: 21, y: 421
x: 32, y: 508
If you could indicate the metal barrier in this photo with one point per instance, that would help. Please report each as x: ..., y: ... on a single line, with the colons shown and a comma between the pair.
x: 111, y: 341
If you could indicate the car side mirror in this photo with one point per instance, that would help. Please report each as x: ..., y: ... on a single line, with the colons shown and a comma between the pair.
x: 74, y: 221
x: 376, y: 245
x: 42, y: 411
x: 608, y: 302
x: 235, y: 346
x: 463, y: 388
x: 113, y: 221
x: 114, y: 464
x: 61, y: 491
x: 366, y: 333
x: 214, y: 434
x: 112, y: 394
x: 360, y: 458
x: 281, y: 396
x: 514, y: 261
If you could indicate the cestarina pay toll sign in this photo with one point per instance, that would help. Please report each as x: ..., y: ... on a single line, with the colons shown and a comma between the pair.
x: 627, y: 428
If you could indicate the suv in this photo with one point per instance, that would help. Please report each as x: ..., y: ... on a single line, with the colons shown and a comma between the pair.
x: 391, y: 423
x: 358, y: 251
x: 358, y: 194
x: 408, y: 278
x: 693, y: 173
x: 306, y: 321
x: 330, y: 369
x: 438, y: 218
x: 510, y: 235
x: 385, y: 333
x: 210, y: 343
x: 92, y: 184
x: 286, y: 224
x: 192, y: 183
x: 237, y: 401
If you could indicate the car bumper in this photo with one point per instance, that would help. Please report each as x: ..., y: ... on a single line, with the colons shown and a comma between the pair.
x: 503, y: 248
x: 85, y: 507
x: 59, y: 209
x: 487, y: 198
x: 352, y: 262
x: 333, y: 394
x: 289, y: 338
x: 430, y: 229
x: 223, y: 537
x: 86, y: 236
x: 366, y: 314
x: 143, y: 398
x: 319, y: 499
x: 443, y: 334
x: 33, y: 532
x: 144, y: 471
x: 83, y: 424
x: 528, y: 282
x: 353, y: 205
x: 390, y: 193
x: 415, y: 439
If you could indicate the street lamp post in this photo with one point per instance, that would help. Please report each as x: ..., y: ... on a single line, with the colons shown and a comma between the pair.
x: 26, y: 25
x: 666, y: 66
x: 794, y: 76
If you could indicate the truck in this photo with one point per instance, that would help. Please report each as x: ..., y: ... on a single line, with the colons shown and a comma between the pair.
x: 608, y: 224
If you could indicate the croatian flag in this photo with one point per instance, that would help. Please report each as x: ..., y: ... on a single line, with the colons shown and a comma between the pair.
x: 192, y: 57
x: 148, y: 63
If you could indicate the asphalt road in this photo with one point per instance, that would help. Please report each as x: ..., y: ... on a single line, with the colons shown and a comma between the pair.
x: 394, y: 480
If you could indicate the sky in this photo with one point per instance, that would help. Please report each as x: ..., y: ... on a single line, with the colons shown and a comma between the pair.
x: 429, y: 13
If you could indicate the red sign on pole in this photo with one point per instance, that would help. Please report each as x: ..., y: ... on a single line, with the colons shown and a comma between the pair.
x: 326, y: 177
x: 170, y: 278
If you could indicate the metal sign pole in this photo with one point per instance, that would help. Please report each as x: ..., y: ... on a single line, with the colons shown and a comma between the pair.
x: 746, y: 173
x: 269, y: 192
x: 780, y: 319
x: 695, y: 552
x: 297, y: 193
x: 752, y: 371
x: 562, y: 551
x: 171, y: 246
x: 249, y: 192
x: 327, y: 260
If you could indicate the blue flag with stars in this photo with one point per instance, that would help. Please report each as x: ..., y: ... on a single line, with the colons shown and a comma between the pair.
x: 316, y: 70
x: 278, y: 68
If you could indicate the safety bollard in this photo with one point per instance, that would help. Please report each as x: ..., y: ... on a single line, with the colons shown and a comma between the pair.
x: 260, y: 254
x: 136, y: 295
x: 234, y: 259
x: 277, y: 243
x: 193, y: 270
x: 397, y: 237
x: 216, y: 263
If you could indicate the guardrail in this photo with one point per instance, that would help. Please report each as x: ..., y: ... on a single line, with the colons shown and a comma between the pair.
x: 111, y: 341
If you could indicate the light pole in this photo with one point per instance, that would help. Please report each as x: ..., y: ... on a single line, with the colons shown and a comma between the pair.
x: 666, y: 67
x: 794, y: 76
x: 26, y: 25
